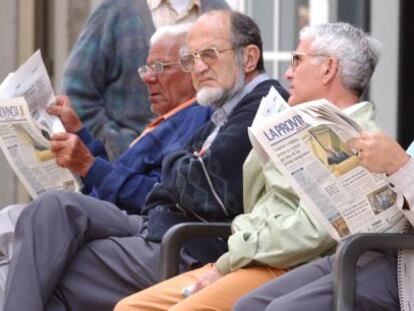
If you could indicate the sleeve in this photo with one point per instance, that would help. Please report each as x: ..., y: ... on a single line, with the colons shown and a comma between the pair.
x: 403, y: 181
x: 95, y: 146
x: 279, y: 232
x: 124, y: 186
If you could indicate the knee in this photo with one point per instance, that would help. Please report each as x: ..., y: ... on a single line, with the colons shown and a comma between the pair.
x: 246, y: 303
x: 51, y: 204
x: 34, y: 210
x: 124, y: 305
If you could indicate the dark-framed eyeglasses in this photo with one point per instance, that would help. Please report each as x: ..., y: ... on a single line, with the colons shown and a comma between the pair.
x: 154, y: 68
x: 296, y: 58
x: 208, y: 56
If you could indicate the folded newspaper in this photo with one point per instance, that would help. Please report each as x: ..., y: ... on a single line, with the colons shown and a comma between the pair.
x: 307, y: 144
x: 26, y: 128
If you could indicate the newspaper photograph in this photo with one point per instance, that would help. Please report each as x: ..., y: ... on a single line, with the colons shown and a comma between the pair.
x: 307, y: 144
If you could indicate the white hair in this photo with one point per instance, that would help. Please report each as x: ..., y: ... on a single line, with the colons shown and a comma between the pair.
x: 357, y: 52
x: 170, y: 30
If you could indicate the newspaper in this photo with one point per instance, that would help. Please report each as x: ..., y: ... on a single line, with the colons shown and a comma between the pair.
x: 25, y: 129
x: 307, y: 144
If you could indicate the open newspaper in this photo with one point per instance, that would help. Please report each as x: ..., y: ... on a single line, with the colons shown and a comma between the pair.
x: 307, y: 144
x: 25, y: 129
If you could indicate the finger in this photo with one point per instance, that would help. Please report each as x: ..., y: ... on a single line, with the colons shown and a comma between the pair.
x: 197, y: 286
x: 54, y: 110
x: 60, y: 136
x: 62, y: 100
x: 57, y: 146
x: 355, y: 143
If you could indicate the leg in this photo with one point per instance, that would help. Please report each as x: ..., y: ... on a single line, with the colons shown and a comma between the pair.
x: 105, y: 271
x: 261, y: 297
x: 376, y: 287
x: 8, y: 219
x: 222, y: 294
x: 161, y: 296
x: 48, y: 234
x: 218, y: 296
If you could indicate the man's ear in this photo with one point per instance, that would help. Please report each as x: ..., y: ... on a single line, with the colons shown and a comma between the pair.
x: 330, y: 69
x: 251, y: 58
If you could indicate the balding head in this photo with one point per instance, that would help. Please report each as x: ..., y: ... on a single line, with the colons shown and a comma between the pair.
x: 221, y: 60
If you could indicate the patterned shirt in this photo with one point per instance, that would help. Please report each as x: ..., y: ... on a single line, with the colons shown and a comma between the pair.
x: 164, y: 13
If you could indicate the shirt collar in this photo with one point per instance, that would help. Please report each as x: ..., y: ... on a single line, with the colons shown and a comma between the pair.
x: 221, y: 114
x: 361, y: 108
x: 152, y: 125
x: 171, y: 112
x: 154, y: 4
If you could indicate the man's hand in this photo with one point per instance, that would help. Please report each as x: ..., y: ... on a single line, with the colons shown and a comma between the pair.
x: 71, y: 153
x: 206, y: 279
x: 379, y: 153
x: 65, y: 112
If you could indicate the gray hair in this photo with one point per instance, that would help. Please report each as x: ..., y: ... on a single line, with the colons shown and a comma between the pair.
x: 170, y: 30
x: 357, y: 52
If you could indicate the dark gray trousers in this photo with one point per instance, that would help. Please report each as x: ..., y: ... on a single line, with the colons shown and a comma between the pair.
x: 73, y: 252
x: 309, y: 287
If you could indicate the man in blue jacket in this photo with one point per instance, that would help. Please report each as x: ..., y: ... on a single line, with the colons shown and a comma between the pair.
x: 127, y: 180
x: 99, y: 75
x: 73, y: 252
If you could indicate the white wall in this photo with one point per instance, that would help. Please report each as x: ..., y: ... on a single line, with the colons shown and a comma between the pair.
x: 384, y: 86
x: 9, y: 189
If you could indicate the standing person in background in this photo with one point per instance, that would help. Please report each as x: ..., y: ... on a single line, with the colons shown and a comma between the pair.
x: 100, y: 76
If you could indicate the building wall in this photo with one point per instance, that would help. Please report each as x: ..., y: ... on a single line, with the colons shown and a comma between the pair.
x: 8, y: 57
x: 384, y: 85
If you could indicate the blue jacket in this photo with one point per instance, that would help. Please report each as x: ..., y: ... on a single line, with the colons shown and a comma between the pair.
x: 127, y: 180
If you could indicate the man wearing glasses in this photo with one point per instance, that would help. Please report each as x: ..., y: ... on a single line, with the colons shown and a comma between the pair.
x: 77, y: 253
x: 127, y: 181
x: 276, y: 233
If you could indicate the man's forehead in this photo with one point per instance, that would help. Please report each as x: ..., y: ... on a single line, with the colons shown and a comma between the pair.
x: 164, y: 49
x: 304, y: 45
x: 199, y: 43
x: 209, y: 30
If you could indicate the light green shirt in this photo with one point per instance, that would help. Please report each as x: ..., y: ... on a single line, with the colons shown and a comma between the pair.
x: 277, y: 230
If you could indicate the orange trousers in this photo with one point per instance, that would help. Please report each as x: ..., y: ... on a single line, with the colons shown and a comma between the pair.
x: 218, y: 296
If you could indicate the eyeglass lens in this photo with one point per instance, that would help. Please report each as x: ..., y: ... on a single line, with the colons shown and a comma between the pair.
x: 207, y: 56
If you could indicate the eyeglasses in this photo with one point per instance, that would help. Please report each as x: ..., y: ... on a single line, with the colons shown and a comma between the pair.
x: 207, y: 56
x: 155, y: 68
x: 297, y: 58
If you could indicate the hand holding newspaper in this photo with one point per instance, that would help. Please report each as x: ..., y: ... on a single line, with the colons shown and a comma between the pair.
x: 26, y: 128
x: 307, y: 144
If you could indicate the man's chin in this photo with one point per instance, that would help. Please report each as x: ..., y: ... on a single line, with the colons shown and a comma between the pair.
x: 292, y: 101
x: 209, y: 96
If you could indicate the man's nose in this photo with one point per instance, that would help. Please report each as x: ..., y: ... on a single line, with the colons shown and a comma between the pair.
x: 199, y: 65
x: 149, y: 77
x: 289, y: 73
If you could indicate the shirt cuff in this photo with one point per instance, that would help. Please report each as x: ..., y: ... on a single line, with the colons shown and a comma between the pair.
x: 98, y: 172
x: 223, y: 264
x: 403, y: 181
x: 84, y: 135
